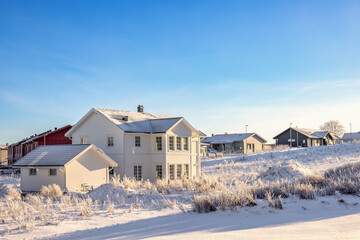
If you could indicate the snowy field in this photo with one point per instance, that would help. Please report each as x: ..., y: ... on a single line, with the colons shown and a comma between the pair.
x: 304, y: 200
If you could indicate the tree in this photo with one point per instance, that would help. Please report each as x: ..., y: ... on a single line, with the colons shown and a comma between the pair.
x: 333, y: 126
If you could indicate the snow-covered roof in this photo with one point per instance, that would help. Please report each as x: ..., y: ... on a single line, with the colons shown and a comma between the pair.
x: 351, y: 136
x: 229, y: 138
x: 136, y: 122
x: 149, y: 126
x: 3, y: 146
x: 117, y: 116
x: 55, y: 155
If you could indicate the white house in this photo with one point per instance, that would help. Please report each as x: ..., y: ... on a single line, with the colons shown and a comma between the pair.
x: 145, y: 145
x: 72, y: 167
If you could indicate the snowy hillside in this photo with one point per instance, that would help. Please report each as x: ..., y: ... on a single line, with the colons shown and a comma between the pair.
x: 246, y: 195
x: 276, y: 165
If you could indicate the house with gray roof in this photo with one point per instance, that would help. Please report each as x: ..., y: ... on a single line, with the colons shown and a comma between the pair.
x: 73, y: 167
x: 237, y: 142
x: 304, y: 137
x: 351, y: 137
x: 145, y: 145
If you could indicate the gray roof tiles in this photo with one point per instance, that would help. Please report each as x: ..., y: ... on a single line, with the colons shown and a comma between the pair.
x: 149, y: 126
x: 228, y: 138
x: 52, y: 155
x: 351, y: 136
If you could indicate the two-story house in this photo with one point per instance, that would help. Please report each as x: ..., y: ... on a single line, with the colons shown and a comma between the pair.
x: 145, y: 145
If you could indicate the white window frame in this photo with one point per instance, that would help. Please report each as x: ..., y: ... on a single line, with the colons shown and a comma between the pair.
x: 178, y: 144
x: 54, y: 169
x: 171, y: 143
x: 172, y: 171
x: 158, y: 145
x: 110, y: 143
x: 185, y: 143
x: 32, y: 171
x: 186, y: 171
x: 137, y: 141
x: 158, y: 172
x: 178, y: 171
x: 138, y: 172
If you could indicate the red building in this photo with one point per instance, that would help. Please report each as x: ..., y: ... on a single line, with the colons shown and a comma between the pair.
x: 51, y: 137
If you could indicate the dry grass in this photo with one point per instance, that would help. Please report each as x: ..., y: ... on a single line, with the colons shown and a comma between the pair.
x: 51, y: 191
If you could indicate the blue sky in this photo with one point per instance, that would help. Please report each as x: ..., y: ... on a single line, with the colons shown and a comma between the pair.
x: 220, y: 64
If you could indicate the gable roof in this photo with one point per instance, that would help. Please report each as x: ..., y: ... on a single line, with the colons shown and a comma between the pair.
x: 40, y: 135
x: 351, y: 136
x: 230, y: 138
x: 57, y: 155
x: 134, y: 122
x: 310, y: 133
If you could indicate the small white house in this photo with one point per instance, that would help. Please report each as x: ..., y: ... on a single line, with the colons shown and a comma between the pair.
x: 145, y: 145
x: 72, y: 167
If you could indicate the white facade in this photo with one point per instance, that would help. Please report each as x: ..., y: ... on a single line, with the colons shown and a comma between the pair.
x: 89, y: 168
x: 153, y: 163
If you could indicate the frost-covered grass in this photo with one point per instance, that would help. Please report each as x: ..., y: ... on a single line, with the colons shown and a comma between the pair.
x: 227, y: 183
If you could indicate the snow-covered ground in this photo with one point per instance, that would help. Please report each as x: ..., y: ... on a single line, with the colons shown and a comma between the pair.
x: 138, y: 212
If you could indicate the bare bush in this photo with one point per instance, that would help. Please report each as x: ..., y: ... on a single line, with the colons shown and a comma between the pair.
x: 278, y: 202
x: 204, y: 204
x: 51, y: 191
x: 304, y: 191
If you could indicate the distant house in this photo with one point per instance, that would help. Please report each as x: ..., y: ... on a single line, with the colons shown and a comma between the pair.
x: 238, y: 142
x: 302, y: 137
x: 145, y: 145
x: 351, y: 137
x: 72, y: 167
x: 51, y: 137
x: 3, y: 154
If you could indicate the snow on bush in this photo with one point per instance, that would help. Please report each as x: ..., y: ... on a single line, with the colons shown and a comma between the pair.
x: 227, y: 183
x: 51, y: 191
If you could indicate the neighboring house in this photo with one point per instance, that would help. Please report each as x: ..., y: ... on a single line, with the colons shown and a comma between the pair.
x: 145, y: 145
x: 51, y: 137
x: 351, y: 137
x: 72, y: 167
x: 238, y: 142
x: 3, y: 154
x: 302, y: 137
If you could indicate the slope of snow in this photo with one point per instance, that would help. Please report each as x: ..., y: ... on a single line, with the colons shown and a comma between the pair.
x: 271, y: 166
x: 146, y: 213
x: 322, y: 219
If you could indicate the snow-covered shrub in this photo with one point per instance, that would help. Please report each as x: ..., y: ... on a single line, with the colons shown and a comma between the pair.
x: 148, y: 185
x: 162, y: 185
x: 85, y: 207
x: 116, y: 180
x: 169, y: 204
x: 204, y: 204
x: 278, y: 202
x: 281, y: 148
x: 51, y: 191
x: 13, y: 194
x: 131, y: 183
x: 304, y: 191
x: 269, y: 198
